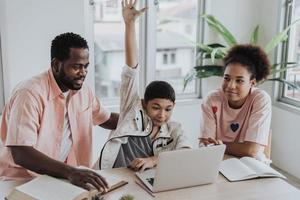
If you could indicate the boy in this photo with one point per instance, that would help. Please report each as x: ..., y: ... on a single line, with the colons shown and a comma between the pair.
x: 144, y: 129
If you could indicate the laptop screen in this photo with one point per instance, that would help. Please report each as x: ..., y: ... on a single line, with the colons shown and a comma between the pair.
x: 150, y: 180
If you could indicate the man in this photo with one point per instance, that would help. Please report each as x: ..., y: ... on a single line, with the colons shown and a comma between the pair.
x: 46, y: 126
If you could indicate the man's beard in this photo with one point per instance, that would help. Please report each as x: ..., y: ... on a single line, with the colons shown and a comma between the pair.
x: 69, y: 83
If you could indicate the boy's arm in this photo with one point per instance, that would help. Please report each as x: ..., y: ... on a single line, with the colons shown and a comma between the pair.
x: 129, y: 87
x: 130, y: 14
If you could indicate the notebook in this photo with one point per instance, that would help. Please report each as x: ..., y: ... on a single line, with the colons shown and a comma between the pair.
x: 235, y: 169
x: 184, y: 168
x: 46, y: 187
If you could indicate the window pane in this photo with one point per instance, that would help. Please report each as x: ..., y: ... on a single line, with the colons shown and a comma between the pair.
x: 109, y: 47
x: 293, y: 74
x: 1, y: 82
x: 175, y: 54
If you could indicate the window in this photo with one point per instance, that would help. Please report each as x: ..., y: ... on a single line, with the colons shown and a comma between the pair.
x: 165, y: 47
x: 291, y: 53
x: 172, y: 35
x: 108, y: 48
x: 165, y: 58
x: 173, y: 58
x: 1, y: 82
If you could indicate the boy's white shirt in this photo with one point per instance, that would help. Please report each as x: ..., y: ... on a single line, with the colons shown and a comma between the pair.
x: 131, y: 118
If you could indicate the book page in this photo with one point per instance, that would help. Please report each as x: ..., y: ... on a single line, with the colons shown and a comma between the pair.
x: 260, y: 168
x: 233, y: 169
x: 49, y: 188
x: 112, y: 181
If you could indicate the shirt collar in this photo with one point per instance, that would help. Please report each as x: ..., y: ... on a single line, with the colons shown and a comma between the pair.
x: 55, y: 91
x: 164, y: 131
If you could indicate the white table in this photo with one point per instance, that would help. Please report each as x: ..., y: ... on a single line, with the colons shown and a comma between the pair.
x: 265, y: 189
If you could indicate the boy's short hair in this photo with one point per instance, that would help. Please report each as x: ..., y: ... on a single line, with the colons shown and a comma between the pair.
x: 159, y: 89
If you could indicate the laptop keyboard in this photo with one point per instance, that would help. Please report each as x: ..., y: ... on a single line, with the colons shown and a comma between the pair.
x: 150, y: 180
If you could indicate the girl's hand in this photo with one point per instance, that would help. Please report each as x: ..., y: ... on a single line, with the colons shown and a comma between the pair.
x: 209, y: 141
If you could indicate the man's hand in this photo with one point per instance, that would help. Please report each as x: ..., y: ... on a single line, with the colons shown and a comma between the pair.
x: 86, y: 178
x: 35, y: 161
x: 130, y: 13
x: 140, y: 164
x: 209, y: 141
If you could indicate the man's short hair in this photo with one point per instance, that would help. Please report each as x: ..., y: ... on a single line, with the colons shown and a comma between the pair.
x: 60, y: 46
x: 159, y: 89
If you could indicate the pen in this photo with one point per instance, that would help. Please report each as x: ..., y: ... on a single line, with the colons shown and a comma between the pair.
x: 146, y: 189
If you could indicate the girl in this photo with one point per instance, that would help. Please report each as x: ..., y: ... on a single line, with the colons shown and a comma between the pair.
x: 239, y: 114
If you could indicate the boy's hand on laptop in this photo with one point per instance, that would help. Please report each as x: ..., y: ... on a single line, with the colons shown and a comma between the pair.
x: 140, y: 164
x: 209, y: 141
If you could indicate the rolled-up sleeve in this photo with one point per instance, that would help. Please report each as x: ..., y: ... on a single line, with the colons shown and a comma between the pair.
x: 100, y: 113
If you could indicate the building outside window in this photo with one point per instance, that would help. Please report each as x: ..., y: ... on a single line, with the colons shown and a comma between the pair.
x: 175, y: 54
x: 173, y: 16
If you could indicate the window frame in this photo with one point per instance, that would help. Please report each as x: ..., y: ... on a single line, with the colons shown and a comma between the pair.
x: 282, y: 53
x: 147, y: 51
x: 148, y: 48
x: 1, y: 81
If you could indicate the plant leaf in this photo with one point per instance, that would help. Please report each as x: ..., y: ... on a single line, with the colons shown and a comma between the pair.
x: 204, y: 71
x: 277, y: 39
x: 275, y: 65
x: 282, y: 69
x: 292, y: 85
x: 188, y: 78
x: 213, y: 55
x: 215, y: 45
x: 219, y: 28
x: 254, y: 35
x: 204, y: 48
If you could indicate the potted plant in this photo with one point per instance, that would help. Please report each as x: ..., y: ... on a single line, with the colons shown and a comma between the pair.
x: 127, y: 197
x: 217, y: 51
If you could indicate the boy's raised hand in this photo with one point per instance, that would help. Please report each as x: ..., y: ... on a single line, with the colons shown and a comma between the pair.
x: 130, y: 13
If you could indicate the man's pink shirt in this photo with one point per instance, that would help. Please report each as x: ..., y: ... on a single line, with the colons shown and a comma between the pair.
x: 34, y: 116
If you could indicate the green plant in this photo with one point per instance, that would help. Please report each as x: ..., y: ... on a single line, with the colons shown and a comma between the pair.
x: 217, y: 51
x: 127, y: 197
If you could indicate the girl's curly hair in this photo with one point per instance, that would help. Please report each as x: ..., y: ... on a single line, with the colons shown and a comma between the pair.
x: 252, y: 57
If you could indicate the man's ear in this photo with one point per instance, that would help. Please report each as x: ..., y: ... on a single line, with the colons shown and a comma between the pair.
x: 55, y: 65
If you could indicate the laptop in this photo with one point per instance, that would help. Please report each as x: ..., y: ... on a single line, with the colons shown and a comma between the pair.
x: 184, y: 168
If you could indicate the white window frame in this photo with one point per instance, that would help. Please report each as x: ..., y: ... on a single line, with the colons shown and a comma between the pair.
x: 282, y: 56
x: 147, y: 50
x: 1, y: 81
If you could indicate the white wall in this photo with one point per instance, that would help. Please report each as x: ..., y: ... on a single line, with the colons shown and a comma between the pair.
x: 27, y: 28
x: 285, y: 137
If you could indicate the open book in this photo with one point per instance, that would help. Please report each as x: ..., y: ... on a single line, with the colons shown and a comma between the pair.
x: 246, y: 168
x: 49, y: 188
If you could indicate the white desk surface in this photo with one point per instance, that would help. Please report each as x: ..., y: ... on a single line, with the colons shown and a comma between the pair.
x: 265, y: 189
